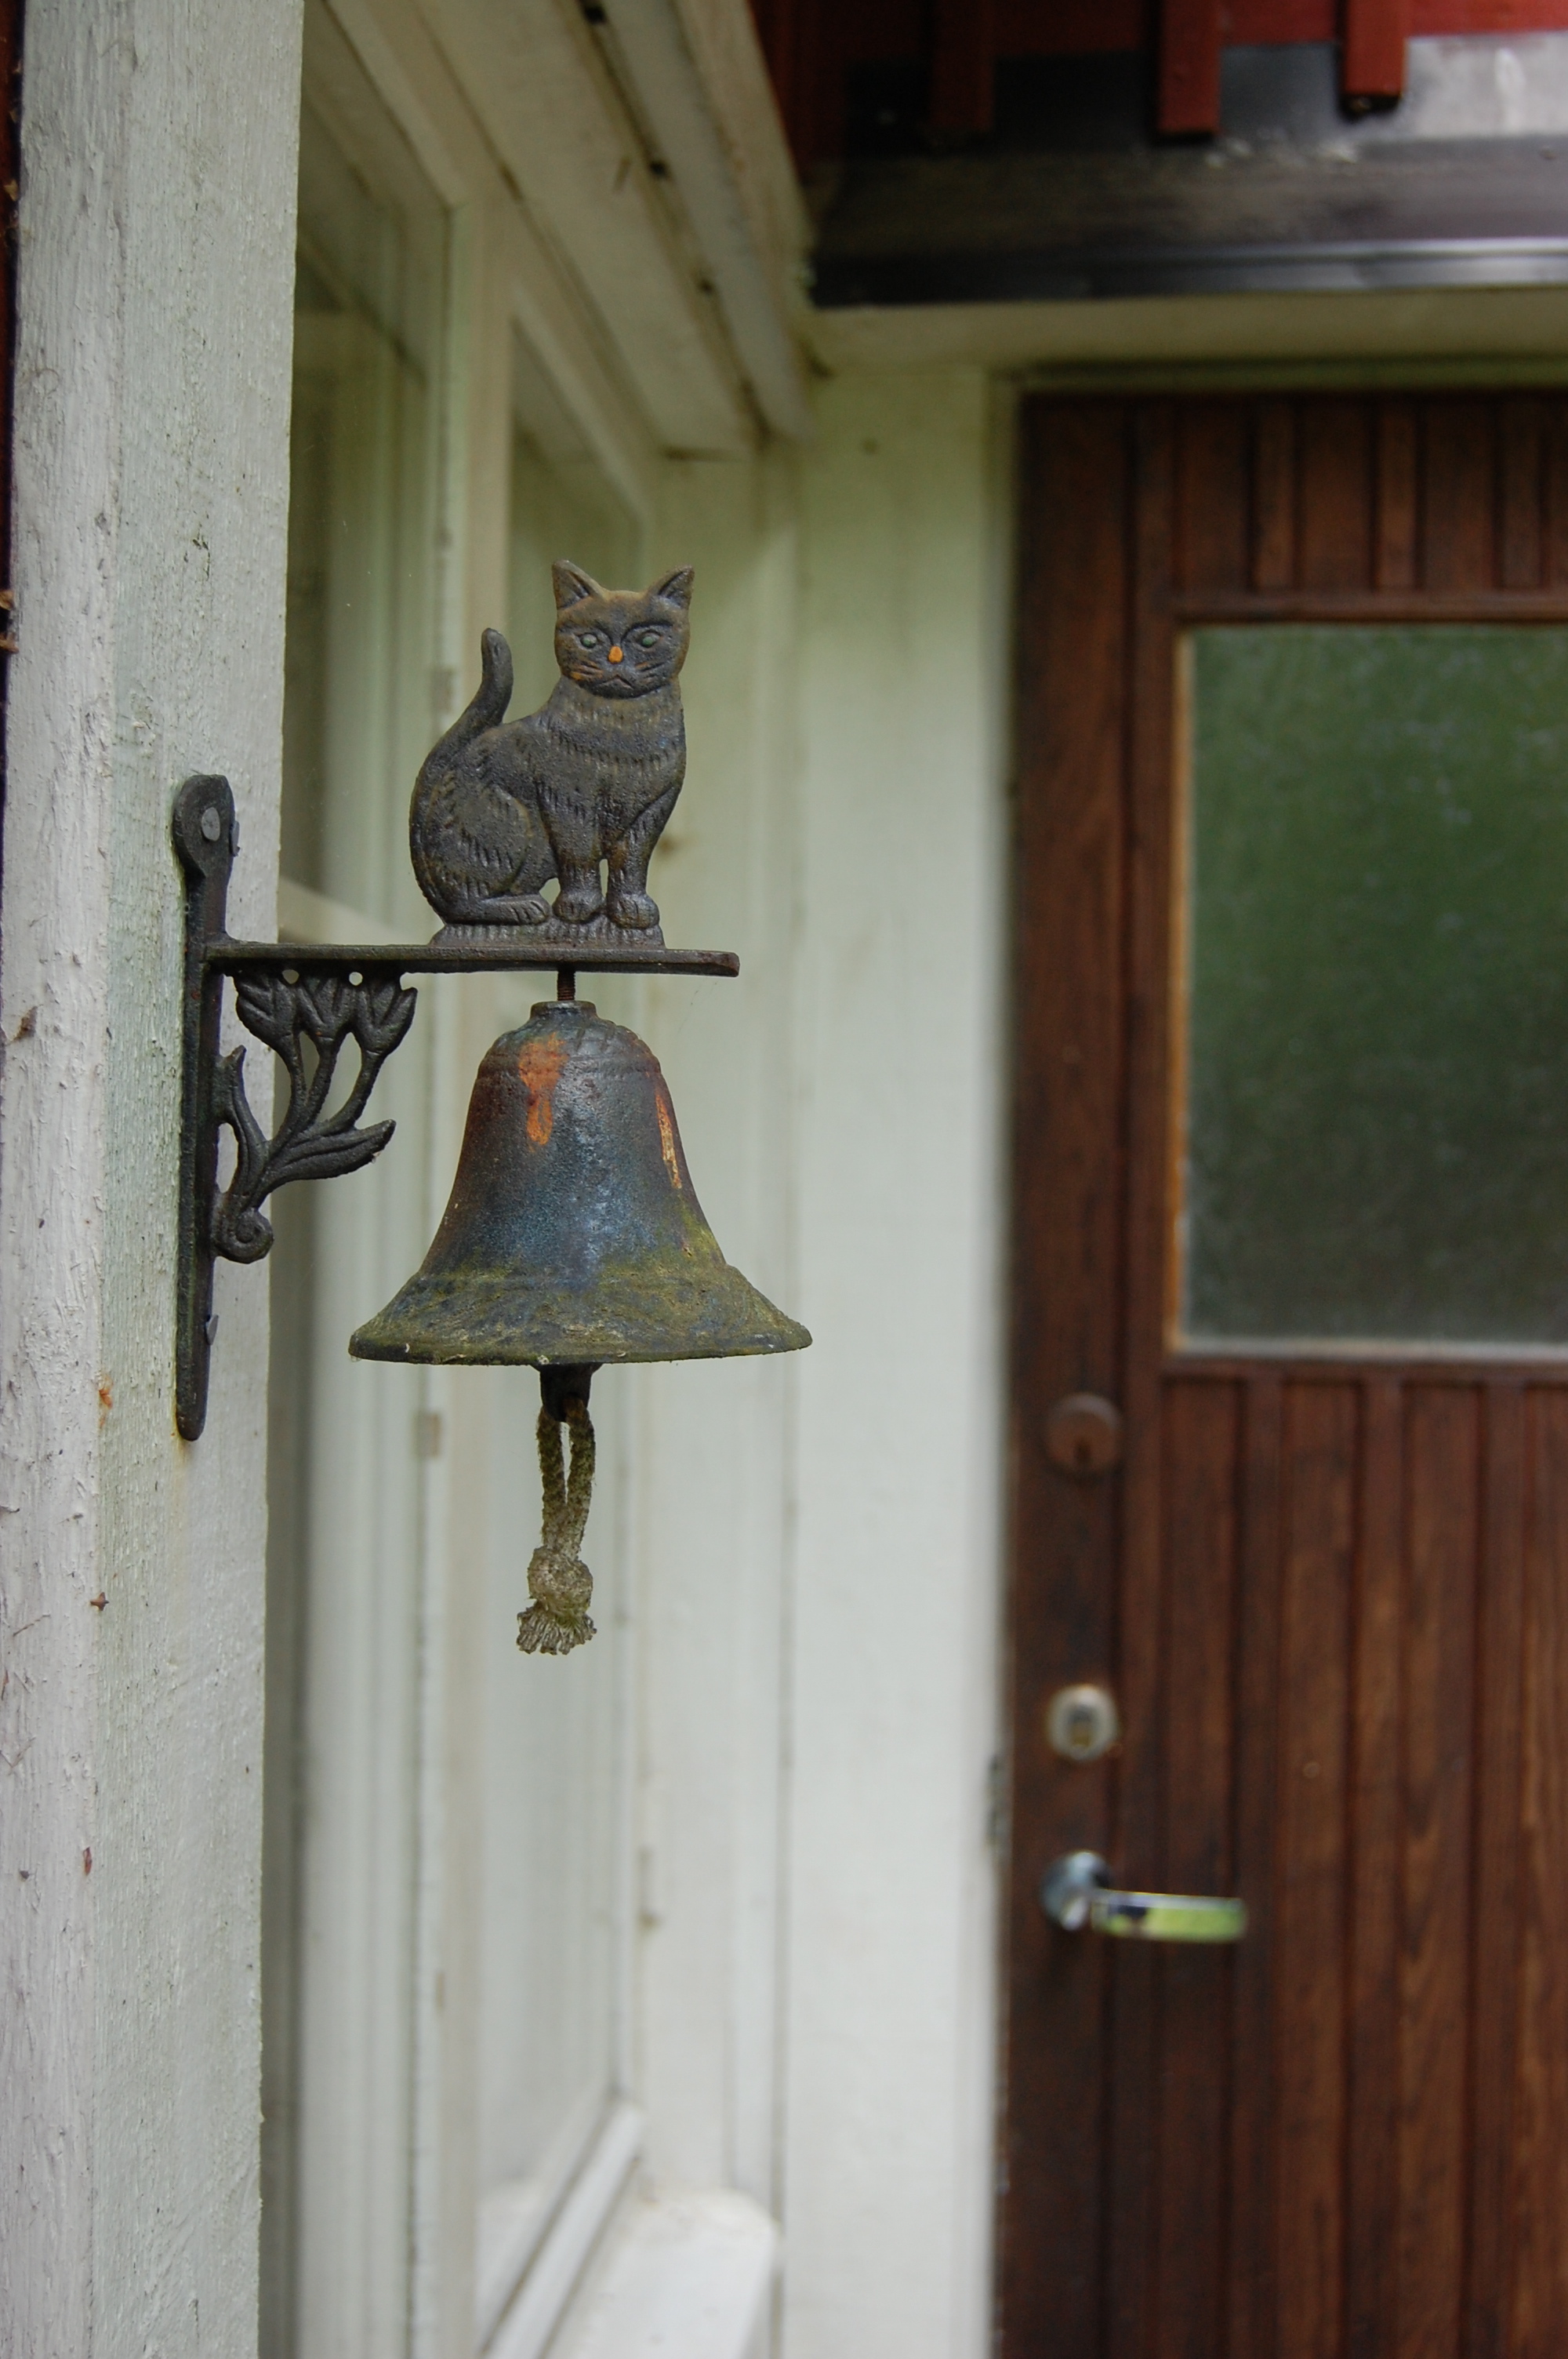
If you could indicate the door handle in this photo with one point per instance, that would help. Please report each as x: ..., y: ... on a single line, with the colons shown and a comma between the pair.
x: 1078, y: 1892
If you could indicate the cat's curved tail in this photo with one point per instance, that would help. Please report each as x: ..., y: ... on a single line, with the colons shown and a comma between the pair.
x: 479, y: 847
x: 488, y: 706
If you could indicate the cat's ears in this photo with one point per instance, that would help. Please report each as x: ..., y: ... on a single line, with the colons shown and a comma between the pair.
x: 674, y: 588
x: 572, y: 584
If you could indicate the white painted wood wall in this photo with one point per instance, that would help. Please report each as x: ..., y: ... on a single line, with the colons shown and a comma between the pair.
x: 813, y: 1559
x: 818, y: 1570
x: 151, y: 388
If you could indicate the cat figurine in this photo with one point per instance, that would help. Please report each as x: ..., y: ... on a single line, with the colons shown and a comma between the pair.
x: 501, y: 807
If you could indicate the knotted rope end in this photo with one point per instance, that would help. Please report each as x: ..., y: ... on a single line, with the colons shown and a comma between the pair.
x: 560, y: 1583
x: 542, y: 1631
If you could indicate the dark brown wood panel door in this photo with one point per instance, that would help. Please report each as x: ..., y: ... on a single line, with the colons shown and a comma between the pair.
x: 1290, y: 1193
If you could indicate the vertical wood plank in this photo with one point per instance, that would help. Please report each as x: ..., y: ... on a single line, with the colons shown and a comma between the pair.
x: 1335, y: 494
x: 1309, y: 1953
x: 1539, y: 2205
x: 802, y: 66
x: 1069, y: 1099
x: 1376, y: 1847
x: 1188, y: 101
x: 1193, y: 2089
x: 1071, y: 902
x: 820, y: 90
x: 1496, y: 1883
x: 1521, y: 525
x: 1212, y: 481
x: 1135, y: 2055
x: 1398, y: 526
x: 1442, y: 1440
x: 1461, y: 495
x: 1372, y: 53
x: 1251, y: 2290
x: 1554, y: 471
x: 1275, y: 496
x: 962, y: 87
x: 775, y: 22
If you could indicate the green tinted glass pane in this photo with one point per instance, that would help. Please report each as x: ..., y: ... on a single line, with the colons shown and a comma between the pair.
x: 1377, y: 1134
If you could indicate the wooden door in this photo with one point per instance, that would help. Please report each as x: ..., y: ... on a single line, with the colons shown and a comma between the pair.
x: 1327, y: 1584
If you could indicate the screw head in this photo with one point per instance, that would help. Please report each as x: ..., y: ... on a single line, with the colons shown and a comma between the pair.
x: 1082, y: 1723
x: 211, y: 823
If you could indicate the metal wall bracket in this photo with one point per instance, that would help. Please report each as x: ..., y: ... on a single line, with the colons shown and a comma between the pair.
x: 305, y: 1000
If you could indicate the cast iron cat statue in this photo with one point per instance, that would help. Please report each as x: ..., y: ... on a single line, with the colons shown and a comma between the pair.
x: 501, y: 807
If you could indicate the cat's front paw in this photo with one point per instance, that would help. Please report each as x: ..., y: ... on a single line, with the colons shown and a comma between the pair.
x: 634, y: 909
x: 578, y: 905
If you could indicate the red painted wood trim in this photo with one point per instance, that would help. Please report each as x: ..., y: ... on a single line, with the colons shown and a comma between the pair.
x: 1372, y: 58
x: 1189, y: 66
x: 775, y: 21
x: 963, y: 57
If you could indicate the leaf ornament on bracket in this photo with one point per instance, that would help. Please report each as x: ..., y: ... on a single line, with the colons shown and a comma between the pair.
x: 284, y: 1009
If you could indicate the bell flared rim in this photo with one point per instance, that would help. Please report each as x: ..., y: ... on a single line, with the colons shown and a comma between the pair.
x: 501, y: 1318
x: 573, y: 1235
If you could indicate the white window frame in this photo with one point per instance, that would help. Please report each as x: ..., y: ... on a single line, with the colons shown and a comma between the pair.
x: 504, y: 281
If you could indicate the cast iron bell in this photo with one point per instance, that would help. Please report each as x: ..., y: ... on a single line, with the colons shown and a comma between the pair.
x: 573, y: 1236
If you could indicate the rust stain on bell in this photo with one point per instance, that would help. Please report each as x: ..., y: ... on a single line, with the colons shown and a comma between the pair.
x: 539, y: 1069
x: 573, y: 1236
x: 669, y: 1143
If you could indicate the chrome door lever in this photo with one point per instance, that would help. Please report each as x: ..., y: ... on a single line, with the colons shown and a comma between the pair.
x: 1076, y: 1892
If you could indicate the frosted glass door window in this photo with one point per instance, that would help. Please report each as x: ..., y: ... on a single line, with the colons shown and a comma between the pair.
x: 1374, y: 1140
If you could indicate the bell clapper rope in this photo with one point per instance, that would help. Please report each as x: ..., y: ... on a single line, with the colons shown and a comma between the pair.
x: 560, y: 1583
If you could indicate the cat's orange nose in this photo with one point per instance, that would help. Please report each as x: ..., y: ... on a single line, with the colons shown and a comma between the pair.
x: 615, y: 655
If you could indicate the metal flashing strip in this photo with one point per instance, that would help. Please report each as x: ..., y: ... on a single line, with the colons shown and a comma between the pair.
x: 843, y: 282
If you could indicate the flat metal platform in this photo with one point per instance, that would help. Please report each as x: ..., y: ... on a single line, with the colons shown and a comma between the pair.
x: 508, y: 954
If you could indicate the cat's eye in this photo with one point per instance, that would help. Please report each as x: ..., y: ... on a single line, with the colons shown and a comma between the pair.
x: 649, y: 638
x: 589, y: 638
